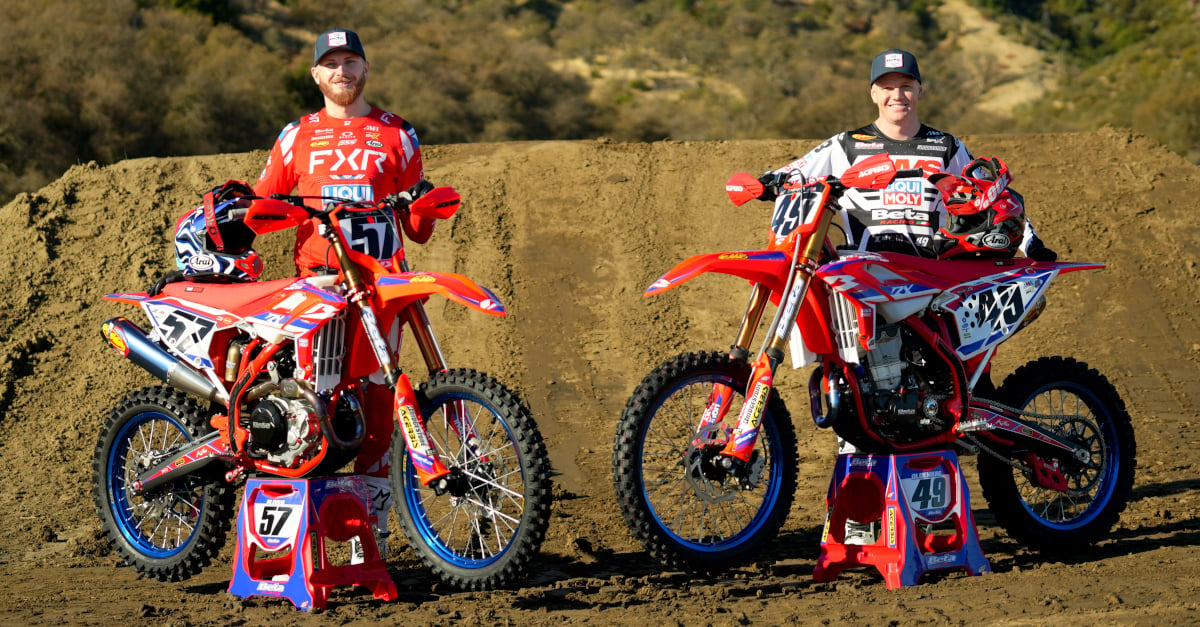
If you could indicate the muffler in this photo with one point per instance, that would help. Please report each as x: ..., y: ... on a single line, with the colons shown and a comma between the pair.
x: 130, y: 341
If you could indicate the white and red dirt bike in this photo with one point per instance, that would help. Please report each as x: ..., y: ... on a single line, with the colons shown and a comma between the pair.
x: 900, y: 343
x: 268, y: 379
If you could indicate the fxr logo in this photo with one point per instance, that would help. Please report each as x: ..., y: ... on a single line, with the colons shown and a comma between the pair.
x: 359, y: 160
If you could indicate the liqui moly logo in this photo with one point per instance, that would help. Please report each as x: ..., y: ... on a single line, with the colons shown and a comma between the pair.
x: 348, y: 192
x: 904, y: 193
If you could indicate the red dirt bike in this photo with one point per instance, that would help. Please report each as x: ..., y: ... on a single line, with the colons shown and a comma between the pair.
x: 268, y: 378
x: 900, y: 343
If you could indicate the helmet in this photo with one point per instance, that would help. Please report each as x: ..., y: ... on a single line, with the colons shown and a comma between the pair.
x: 984, y: 217
x: 221, y: 254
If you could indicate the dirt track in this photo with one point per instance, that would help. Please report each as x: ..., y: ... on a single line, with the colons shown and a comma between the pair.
x: 569, y: 234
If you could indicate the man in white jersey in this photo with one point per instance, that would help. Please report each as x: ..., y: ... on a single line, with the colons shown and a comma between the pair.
x: 905, y: 217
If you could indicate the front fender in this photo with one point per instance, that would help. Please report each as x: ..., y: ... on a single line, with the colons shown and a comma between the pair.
x: 766, y: 267
x: 401, y: 290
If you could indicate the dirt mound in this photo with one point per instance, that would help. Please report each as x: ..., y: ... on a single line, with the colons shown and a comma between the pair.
x: 569, y: 234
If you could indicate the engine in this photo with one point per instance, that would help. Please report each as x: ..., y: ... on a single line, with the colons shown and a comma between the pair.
x: 904, y: 390
x: 903, y: 385
x: 283, y: 422
x: 284, y: 430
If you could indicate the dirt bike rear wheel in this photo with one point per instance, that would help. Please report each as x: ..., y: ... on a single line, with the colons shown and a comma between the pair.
x: 482, y: 533
x: 173, y: 531
x: 673, y: 495
x: 1092, y: 415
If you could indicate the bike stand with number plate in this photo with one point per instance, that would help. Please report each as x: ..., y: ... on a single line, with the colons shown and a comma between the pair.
x: 922, y: 501
x: 283, y: 522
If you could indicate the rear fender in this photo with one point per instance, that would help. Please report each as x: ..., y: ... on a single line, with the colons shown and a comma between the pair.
x: 1064, y: 267
x: 991, y: 310
x: 134, y: 298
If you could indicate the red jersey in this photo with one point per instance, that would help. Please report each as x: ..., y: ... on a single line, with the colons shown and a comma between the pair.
x: 363, y: 158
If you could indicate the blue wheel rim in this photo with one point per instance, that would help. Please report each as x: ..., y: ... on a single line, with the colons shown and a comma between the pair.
x: 120, y: 503
x: 414, y: 491
x: 1107, y: 479
x: 771, y: 493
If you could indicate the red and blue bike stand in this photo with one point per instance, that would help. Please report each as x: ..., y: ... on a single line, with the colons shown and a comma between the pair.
x: 283, y: 523
x: 922, y: 502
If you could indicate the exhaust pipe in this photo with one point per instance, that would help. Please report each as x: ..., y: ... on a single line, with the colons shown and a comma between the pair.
x: 130, y: 341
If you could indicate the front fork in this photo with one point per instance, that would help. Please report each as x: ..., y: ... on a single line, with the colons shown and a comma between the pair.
x: 762, y: 375
x: 421, y: 451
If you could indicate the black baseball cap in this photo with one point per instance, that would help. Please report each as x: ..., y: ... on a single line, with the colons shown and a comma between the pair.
x: 337, y: 39
x: 895, y: 60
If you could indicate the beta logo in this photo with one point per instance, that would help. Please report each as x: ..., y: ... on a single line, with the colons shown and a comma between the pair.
x: 899, y: 216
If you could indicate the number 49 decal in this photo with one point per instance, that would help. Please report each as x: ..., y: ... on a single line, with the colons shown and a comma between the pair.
x: 928, y: 492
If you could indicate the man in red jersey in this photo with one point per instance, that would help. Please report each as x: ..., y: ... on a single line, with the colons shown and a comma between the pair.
x: 349, y: 149
x: 355, y: 151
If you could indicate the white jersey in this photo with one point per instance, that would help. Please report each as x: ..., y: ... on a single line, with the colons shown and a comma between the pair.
x: 906, y: 216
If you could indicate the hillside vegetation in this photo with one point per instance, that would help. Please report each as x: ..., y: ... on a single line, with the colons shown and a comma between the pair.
x: 132, y: 78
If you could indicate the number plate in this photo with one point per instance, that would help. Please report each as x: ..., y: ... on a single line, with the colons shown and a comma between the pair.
x: 274, y: 519
x: 929, y: 492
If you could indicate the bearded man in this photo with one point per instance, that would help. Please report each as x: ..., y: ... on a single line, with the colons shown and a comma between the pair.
x: 351, y: 150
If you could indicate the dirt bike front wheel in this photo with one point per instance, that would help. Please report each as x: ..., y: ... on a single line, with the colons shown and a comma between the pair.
x: 677, y: 495
x: 1080, y: 404
x: 484, y: 530
x: 171, y: 532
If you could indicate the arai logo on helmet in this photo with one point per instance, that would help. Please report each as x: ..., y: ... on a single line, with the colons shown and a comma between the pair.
x: 998, y: 241
x: 202, y: 263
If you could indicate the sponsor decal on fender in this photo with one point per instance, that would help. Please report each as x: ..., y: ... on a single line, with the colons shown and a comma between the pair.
x: 422, y: 278
x: 724, y: 256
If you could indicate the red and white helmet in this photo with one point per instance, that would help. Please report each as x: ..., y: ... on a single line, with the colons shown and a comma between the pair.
x: 984, y: 217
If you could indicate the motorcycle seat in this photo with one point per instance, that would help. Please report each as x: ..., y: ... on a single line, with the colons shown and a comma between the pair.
x: 951, y: 272
x: 225, y: 296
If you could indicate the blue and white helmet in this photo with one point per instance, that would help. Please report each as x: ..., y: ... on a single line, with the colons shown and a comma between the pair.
x: 229, y: 260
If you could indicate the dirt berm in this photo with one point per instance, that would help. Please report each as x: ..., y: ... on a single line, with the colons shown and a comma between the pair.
x: 569, y: 234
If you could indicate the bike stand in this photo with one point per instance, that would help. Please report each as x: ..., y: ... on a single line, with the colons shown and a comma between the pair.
x: 917, y: 498
x: 282, y: 522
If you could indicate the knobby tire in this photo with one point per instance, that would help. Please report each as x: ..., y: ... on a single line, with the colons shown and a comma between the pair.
x: 696, y: 520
